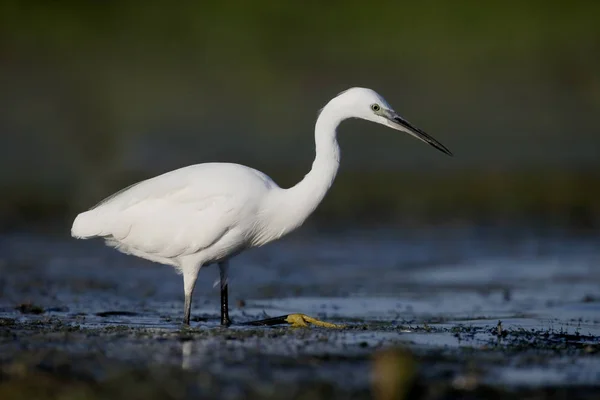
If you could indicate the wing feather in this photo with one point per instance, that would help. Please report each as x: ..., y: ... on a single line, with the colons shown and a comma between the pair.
x: 178, y: 213
x: 168, y: 229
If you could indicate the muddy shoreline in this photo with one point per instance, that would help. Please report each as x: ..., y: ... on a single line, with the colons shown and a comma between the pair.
x: 434, y: 315
x: 54, y: 358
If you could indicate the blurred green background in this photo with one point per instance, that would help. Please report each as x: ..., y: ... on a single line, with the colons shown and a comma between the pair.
x: 96, y: 95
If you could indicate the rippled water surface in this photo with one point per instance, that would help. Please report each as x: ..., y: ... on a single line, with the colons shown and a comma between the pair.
x: 439, y: 292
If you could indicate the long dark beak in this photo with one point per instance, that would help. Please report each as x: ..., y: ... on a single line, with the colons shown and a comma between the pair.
x: 397, y: 122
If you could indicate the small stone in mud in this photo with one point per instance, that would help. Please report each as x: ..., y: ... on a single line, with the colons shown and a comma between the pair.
x: 465, y: 382
x: 57, y: 309
x: 7, y: 321
x: 591, y: 349
x: 499, y: 331
x: 28, y: 308
x: 116, y: 313
x: 588, y: 299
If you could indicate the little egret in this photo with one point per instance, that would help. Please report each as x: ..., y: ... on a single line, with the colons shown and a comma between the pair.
x: 208, y: 213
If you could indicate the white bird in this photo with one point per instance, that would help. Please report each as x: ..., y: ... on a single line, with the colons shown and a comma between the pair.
x: 208, y: 213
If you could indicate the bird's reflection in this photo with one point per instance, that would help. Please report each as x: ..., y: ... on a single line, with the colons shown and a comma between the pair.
x: 186, y: 354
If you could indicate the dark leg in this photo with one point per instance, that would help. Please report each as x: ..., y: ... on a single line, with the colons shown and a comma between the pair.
x: 187, y: 309
x: 225, y: 321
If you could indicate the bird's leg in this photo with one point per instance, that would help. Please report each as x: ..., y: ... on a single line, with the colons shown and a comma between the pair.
x: 189, y: 281
x: 225, y: 321
x: 187, y: 309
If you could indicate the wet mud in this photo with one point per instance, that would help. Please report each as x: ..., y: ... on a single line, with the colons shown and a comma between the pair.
x: 432, y: 314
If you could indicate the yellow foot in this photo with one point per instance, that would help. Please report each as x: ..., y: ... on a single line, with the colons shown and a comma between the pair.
x: 296, y: 320
x: 303, y: 321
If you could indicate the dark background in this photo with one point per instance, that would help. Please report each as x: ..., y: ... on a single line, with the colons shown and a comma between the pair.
x: 484, y: 266
x: 97, y: 95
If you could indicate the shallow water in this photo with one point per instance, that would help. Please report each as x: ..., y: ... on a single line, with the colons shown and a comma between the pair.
x: 440, y: 292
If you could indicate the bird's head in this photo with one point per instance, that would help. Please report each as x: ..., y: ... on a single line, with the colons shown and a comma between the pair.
x: 369, y: 105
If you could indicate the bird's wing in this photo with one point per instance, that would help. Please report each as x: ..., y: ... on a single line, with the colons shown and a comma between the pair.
x: 177, y: 213
x: 174, y: 226
x: 209, y: 179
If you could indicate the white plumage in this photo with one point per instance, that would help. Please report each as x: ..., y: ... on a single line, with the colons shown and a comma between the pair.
x: 207, y: 213
x: 176, y: 215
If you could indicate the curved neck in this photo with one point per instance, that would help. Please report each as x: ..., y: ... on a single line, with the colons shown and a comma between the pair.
x: 302, y: 199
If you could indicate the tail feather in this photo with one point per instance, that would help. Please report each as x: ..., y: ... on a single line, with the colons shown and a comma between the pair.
x: 86, y: 226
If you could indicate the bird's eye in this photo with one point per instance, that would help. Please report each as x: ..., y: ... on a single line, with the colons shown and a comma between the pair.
x: 375, y: 107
